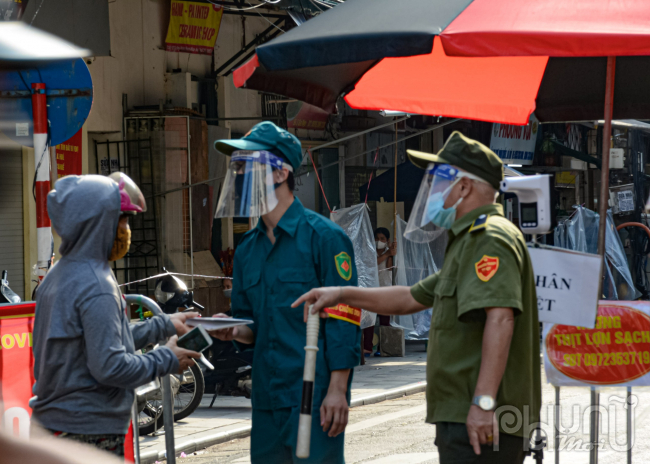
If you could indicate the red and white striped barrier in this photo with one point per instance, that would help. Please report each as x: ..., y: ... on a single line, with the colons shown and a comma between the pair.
x: 42, y: 165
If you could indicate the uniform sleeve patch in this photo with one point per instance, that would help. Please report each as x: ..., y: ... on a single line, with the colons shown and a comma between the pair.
x: 345, y: 313
x: 344, y: 265
x: 486, y: 267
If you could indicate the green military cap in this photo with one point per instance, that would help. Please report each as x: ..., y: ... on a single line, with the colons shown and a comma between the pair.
x: 466, y: 154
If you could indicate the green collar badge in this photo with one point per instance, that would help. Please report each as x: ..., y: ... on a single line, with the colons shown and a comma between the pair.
x: 344, y: 265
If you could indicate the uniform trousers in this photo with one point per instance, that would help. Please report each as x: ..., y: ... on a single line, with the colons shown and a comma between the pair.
x: 454, y: 447
x: 275, y: 432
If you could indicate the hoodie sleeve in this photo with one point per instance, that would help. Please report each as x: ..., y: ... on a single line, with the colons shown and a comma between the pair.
x: 108, y: 360
x: 152, y: 331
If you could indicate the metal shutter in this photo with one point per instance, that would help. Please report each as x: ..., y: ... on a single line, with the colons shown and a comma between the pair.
x: 11, y: 219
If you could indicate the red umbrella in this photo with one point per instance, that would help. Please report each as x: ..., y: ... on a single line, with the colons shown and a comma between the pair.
x: 488, y: 89
x: 558, y: 28
x: 379, y: 54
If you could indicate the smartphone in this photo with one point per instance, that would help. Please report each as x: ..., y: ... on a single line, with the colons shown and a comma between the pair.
x: 196, y: 339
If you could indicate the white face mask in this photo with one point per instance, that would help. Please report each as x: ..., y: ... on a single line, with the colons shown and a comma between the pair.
x: 380, y: 245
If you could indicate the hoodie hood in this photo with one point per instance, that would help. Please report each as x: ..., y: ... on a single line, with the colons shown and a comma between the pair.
x: 85, y: 211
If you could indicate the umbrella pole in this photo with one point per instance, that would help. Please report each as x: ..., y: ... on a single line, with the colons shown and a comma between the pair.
x: 602, y: 210
x: 395, y: 191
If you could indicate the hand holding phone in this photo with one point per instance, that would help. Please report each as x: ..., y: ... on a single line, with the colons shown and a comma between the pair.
x: 185, y: 357
x: 197, y: 340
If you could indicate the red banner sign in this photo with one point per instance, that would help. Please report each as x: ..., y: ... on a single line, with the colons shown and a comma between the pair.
x: 17, y: 370
x: 615, y: 352
x: 16, y: 364
x: 68, y: 156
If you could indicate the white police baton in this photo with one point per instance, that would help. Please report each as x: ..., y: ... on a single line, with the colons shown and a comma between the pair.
x: 309, y: 374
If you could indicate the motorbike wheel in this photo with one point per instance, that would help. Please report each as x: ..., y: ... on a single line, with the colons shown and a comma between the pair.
x: 190, y: 392
x: 150, y: 418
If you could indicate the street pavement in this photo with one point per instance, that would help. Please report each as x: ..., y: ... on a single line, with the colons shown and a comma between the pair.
x: 394, y: 431
x: 230, y: 417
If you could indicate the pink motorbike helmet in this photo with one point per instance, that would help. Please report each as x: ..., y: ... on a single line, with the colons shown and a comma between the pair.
x: 131, y: 198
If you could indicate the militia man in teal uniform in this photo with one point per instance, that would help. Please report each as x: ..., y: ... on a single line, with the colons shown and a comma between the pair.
x: 483, y: 354
x: 290, y: 251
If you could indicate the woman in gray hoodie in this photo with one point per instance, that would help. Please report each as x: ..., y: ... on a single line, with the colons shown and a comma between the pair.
x: 85, y: 364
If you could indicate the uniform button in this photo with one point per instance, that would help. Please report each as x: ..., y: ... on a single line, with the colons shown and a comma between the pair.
x: 482, y: 216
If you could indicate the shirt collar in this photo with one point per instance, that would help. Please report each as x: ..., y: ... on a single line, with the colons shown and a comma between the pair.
x: 291, y: 217
x: 288, y: 221
x: 467, y: 220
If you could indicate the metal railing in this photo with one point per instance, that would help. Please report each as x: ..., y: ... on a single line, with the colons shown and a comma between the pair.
x: 168, y: 401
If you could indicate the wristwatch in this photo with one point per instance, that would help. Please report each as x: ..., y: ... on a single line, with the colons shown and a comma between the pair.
x: 485, y: 402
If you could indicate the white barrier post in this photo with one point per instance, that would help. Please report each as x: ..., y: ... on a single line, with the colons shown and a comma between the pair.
x: 557, y: 419
x: 168, y: 400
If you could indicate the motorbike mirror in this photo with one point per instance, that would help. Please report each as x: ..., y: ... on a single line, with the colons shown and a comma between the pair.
x: 196, y: 305
x: 172, y: 293
x: 191, y: 304
x: 6, y: 294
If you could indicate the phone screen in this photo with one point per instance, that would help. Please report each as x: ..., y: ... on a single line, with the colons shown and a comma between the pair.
x: 194, y: 340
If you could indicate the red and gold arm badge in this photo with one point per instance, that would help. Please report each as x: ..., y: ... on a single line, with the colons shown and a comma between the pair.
x: 486, y: 267
x: 345, y: 313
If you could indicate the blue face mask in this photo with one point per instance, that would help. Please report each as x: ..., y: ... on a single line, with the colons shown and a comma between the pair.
x: 436, y: 212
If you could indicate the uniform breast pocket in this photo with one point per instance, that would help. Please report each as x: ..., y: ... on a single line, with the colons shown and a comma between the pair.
x: 292, y: 283
x: 250, y: 284
x: 445, y: 304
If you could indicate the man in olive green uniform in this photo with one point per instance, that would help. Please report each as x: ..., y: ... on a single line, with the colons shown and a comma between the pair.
x: 483, y: 358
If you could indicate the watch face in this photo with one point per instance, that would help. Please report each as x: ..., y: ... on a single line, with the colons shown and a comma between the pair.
x: 486, y: 403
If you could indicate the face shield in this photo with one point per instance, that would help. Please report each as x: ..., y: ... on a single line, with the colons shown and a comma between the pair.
x: 131, y: 197
x: 249, y: 189
x: 429, y: 218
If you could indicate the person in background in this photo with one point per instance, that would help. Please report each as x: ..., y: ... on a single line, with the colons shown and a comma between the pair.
x: 85, y: 364
x: 385, y: 259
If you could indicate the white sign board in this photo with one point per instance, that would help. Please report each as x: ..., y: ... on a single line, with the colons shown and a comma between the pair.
x: 567, y: 286
x: 613, y: 353
x: 22, y: 129
x: 515, y: 144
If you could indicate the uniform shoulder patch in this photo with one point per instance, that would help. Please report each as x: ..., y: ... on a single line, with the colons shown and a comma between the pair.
x: 479, y: 223
x: 344, y: 265
x: 486, y: 267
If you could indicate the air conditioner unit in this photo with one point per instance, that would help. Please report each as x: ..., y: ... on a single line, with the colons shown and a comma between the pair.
x: 181, y: 90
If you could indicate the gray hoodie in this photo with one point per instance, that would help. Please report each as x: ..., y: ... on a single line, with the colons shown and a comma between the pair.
x: 84, y: 361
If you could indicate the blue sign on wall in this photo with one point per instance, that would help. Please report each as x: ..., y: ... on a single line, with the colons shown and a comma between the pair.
x: 69, y: 91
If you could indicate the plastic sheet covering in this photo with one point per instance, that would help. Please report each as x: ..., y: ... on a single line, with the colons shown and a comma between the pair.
x: 580, y: 233
x: 414, y: 262
x: 356, y: 223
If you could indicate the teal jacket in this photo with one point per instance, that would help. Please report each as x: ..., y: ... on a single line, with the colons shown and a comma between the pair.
x: 310, y: 251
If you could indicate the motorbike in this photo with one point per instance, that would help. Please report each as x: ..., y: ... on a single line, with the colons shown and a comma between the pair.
x: 7, y: 295
x: 231, y: 374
